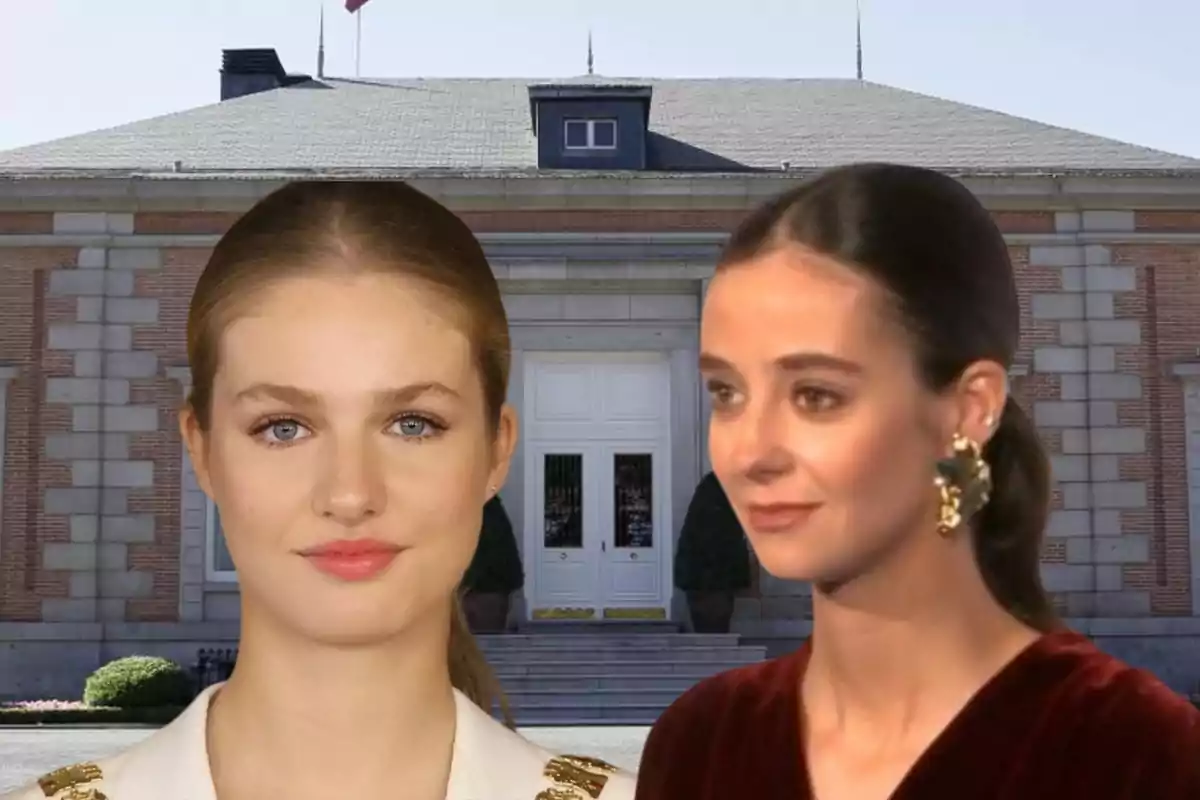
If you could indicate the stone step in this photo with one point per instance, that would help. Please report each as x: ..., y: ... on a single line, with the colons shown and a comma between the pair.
x: 591, y: 640
x: 628, y: 714
x: 602, y: 653
x: 679, y: 669
x: 619, y: 666
x: 603, y: 698
x: 675, y: 683
x: 636, y: 627
x: 606, y: 677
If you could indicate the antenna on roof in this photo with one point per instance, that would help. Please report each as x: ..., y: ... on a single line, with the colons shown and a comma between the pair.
x: 591, y: 61
x: 858, y: 34
x: 321, y: 44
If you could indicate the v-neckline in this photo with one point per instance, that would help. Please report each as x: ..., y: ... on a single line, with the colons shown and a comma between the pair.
x: 921, y: 770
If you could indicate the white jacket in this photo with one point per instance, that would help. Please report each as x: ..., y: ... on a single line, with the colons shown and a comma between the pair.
x: 490, y: 762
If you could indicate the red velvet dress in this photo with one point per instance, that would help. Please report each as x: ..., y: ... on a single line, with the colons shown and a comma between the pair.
x: 1063, y: 721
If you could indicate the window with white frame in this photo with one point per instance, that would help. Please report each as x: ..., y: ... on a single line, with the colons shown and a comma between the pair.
x: 590, y: 134
x: 218, y: 563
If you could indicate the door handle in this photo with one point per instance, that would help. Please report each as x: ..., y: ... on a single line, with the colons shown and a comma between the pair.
x: 603, y: 547
x: 562, y: 556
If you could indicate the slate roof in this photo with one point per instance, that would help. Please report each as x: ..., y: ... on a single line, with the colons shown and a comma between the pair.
x: 483, y: 126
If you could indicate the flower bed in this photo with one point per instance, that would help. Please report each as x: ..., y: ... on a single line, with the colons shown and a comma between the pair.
x: 70, y: 712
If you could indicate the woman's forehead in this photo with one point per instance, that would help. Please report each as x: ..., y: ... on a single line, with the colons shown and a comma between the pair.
x: 789, y: 297
x: 343, y: 332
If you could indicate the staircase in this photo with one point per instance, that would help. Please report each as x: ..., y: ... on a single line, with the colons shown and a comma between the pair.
x: 606, y: 676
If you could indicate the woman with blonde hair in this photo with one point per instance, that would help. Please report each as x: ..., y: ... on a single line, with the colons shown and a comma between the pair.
x: 350, y: 357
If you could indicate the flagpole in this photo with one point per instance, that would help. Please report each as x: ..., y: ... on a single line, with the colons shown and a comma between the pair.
x: 858, y: 36
x: 358, y: 43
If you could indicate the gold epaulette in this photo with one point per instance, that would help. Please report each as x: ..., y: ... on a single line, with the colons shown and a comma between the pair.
x: 76, y: 782
x: 575, y: 778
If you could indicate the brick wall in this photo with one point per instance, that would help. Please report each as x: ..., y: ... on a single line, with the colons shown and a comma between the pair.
x: 91, y: 520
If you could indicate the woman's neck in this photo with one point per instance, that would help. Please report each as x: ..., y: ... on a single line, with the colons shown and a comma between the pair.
x: 300, y: 719
x: 919, y: 636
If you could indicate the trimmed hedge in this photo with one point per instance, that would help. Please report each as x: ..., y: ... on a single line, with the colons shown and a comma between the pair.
x: 139, y: 682
x: 496, y: 566
x: 79, y: 714
x: 712, y: 554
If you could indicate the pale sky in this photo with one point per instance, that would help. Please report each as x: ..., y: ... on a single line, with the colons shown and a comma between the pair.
x: 1125, y: 70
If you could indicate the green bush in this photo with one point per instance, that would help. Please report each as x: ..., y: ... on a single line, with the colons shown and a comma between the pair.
x: 496, y: 567
x: 712, y: 555
x: 79, y: 714
x: 138, y: 682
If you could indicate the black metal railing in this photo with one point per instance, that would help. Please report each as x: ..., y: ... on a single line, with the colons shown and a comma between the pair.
x: 213, y: 665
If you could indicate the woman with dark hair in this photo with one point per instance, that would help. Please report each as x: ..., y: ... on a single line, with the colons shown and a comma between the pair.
x: 856, y: 341
x: 350, y: 356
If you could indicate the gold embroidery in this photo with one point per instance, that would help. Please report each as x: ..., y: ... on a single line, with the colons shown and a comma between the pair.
x: 635, y: 613
x: 71, y: 783
x: 558, y: 794
x: 589, y: 763
x: 575, y: 778
x: 564, y: 613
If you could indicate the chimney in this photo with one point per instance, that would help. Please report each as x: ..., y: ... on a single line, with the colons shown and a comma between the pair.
x: 254, y: 70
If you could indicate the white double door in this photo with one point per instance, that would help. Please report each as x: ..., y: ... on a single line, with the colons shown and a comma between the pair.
x: 597, y: 472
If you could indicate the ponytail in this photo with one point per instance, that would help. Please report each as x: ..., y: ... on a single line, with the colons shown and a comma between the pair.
x: 1008, y: 529
x: 469, y: 670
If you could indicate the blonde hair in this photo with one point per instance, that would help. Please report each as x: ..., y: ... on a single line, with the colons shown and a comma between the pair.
x: 377, y: 226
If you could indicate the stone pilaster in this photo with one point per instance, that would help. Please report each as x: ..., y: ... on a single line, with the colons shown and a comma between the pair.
x: 1094, y: 376
x: 1188, y: 374
x: 193, y: 525
x: 7, y: 374
x: 96, y: 448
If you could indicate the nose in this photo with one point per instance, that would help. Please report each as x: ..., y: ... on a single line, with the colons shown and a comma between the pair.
x: 758, y: 443
x: 352, y: 488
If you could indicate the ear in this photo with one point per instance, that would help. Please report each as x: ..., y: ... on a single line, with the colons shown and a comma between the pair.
x: 978, y: 400
x: 503, y: 447
x: 194, y: 443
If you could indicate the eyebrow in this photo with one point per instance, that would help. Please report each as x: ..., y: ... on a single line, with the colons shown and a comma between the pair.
x: 293, y: 395
x: 792, y: 362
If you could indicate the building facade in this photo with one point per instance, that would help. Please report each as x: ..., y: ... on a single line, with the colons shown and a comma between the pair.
x: 602, y: 206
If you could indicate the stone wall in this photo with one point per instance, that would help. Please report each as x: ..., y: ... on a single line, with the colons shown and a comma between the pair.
x: 97, y: 537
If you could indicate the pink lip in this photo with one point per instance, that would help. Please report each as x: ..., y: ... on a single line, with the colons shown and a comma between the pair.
x: 779, y: 517
x: 352, y: 559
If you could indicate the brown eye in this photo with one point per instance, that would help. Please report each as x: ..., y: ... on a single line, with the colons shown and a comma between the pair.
x: 722, y: 394
x: 815, y: 400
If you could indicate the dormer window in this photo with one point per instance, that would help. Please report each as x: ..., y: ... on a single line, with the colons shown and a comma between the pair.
x: 590, y: 134
x: 576, y: 125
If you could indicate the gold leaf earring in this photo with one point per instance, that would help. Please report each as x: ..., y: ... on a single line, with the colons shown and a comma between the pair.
x: 964, y: 483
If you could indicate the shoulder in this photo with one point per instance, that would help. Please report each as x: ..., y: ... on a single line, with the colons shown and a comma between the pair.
x: 494, y: 761
x: 1100, y: 690
x: 171, y: 757
x: 720, y: 721
x: 730, y: 697
x: 524, y: 768
x: 84, y: 781
x: 1122, y: 724
x: 1124, y: 699
x: 585, y: 777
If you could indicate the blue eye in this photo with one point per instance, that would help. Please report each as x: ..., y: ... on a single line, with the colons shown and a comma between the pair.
x: 282, y: 431
x: 414, y: 426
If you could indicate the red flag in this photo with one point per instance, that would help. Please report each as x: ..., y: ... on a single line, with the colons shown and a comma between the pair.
x: 355, y: 5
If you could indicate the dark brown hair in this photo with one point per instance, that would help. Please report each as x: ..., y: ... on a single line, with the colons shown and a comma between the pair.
x: 937, y: 252
x: 359, y: 227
